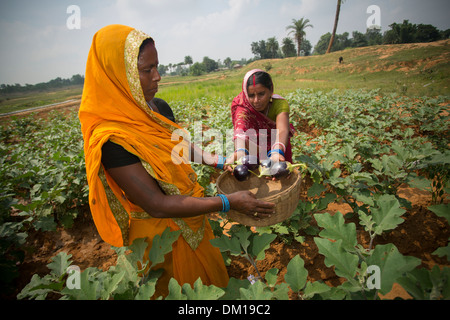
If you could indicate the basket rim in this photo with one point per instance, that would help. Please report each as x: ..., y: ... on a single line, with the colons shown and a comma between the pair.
x: 268, y: 198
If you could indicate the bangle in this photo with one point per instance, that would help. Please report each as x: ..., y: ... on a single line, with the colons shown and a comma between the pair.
x: 279, y: 143
x: 279, y: 151
x: 242, y: 149
x: 225, y: 203
x: 220, y: 162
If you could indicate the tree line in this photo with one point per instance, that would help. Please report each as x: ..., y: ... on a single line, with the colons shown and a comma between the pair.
x: 42, y: 86
x: 297, y: 45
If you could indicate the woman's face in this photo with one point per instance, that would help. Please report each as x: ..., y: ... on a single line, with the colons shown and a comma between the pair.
x: 259, y: 96
x: 148, y: 71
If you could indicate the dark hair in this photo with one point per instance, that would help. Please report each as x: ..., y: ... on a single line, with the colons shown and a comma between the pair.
x: 262, y: 78
x: 145, y: 43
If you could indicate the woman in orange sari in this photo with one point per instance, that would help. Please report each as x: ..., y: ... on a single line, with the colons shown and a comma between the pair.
x: 137, y: 187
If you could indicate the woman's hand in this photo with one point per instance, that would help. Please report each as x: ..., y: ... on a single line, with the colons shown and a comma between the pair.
x: 246, y: 203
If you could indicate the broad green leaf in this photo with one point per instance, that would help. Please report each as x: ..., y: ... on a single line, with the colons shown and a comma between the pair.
x: 225, y: 243
x: 345, y: 263
x: 128, y: 268
x: 175, y: 291
x: 443, y: 251
x: 201, y: 291
x: 146, y: 291
x: 335, y: 228
x: 60, y: 263
x: 271, y: 277
x: 138, y: 249
x: 243, y: 236
x: 424, y: 284
x: 255, y: 292
x: 260, y: 243
x: 316, y: 189
x: 162, y: 245
x: 88, y: 289
x: 281, y: 291
x: 387, y: 213
x: 392, y: 264
x: 232, y: 289
x: 110, y: 284
x: 441, y: 210
x: 296, y: 274
x: 313, y: 288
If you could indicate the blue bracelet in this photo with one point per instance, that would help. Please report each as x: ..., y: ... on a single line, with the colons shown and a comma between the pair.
x: 225, y: 203
x: 220, y: 162
x: 279, y: 151
x: 242, y: 149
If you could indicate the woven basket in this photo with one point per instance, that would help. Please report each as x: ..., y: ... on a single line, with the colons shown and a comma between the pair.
x: 285, y: 193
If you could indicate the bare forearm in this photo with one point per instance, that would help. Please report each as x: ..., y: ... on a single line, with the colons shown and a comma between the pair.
x: 179, y: 206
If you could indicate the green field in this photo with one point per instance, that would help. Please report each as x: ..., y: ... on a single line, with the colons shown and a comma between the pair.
x: 407, y: 69
x: 420, y: 69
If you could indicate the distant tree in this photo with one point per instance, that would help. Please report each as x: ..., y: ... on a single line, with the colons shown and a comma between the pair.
x: 336, y: 19
x: 298, y: 29
x: 188, y: 60
x: 197, y: 69
x: 427, y: 33
x: 209, y: 64
x: 272, y: 48
x: 259, y: 49
x: 359, y: 39
x: 400, y: 33
x: 306, y: 47
x: 374, y: 36
x: 288, y: 48
x: 227, y: 62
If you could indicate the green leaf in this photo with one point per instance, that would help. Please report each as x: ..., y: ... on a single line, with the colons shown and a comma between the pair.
x: 335, y: 228
x: 175, y: 291
x: 232, y: 290
x: 138, y: 250
x: 110, y: 284
x: 345, y: 263
x: 201, y: 291
x: 296, y: 274
x: 60, y: 263
x: 255, y: 292
x: 441, y: 210
x: 392, y: 264
x: 162, y: 245
x: 313, y: 288
x: 260, y: 243
x: 88, y: 289
x: 271, y: 277
x: 225, y: 243
x: 387, y: 213
x: 316, y: 189
x: 146, y: 291
x: 443, y: 251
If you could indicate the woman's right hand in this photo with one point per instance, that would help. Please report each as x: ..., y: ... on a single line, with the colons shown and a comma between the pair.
x: 246, y: 202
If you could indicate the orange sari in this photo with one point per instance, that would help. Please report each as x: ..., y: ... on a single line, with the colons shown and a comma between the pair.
x: 113, y: 108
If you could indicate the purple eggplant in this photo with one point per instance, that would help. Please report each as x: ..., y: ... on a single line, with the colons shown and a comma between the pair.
x: 251, y: 162
x: 241, y: 172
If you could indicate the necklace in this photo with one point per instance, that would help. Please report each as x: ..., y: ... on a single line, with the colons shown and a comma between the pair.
x: 148, y: 103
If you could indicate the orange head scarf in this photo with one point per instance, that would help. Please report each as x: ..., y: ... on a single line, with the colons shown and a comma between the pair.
x: 113, y: 108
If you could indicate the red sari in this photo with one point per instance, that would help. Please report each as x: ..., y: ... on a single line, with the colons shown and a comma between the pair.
x: 251, y: 124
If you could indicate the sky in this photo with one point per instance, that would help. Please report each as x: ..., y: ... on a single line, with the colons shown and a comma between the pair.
x: 42, y: 40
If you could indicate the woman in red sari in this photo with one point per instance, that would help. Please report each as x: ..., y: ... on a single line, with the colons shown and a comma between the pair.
x: 261, y: 120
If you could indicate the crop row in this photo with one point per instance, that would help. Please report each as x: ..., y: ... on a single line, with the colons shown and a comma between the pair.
x: 358, y: 147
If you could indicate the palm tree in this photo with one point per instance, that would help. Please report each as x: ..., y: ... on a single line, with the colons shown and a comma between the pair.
x: 298, y: 28
x: 336, y: 19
